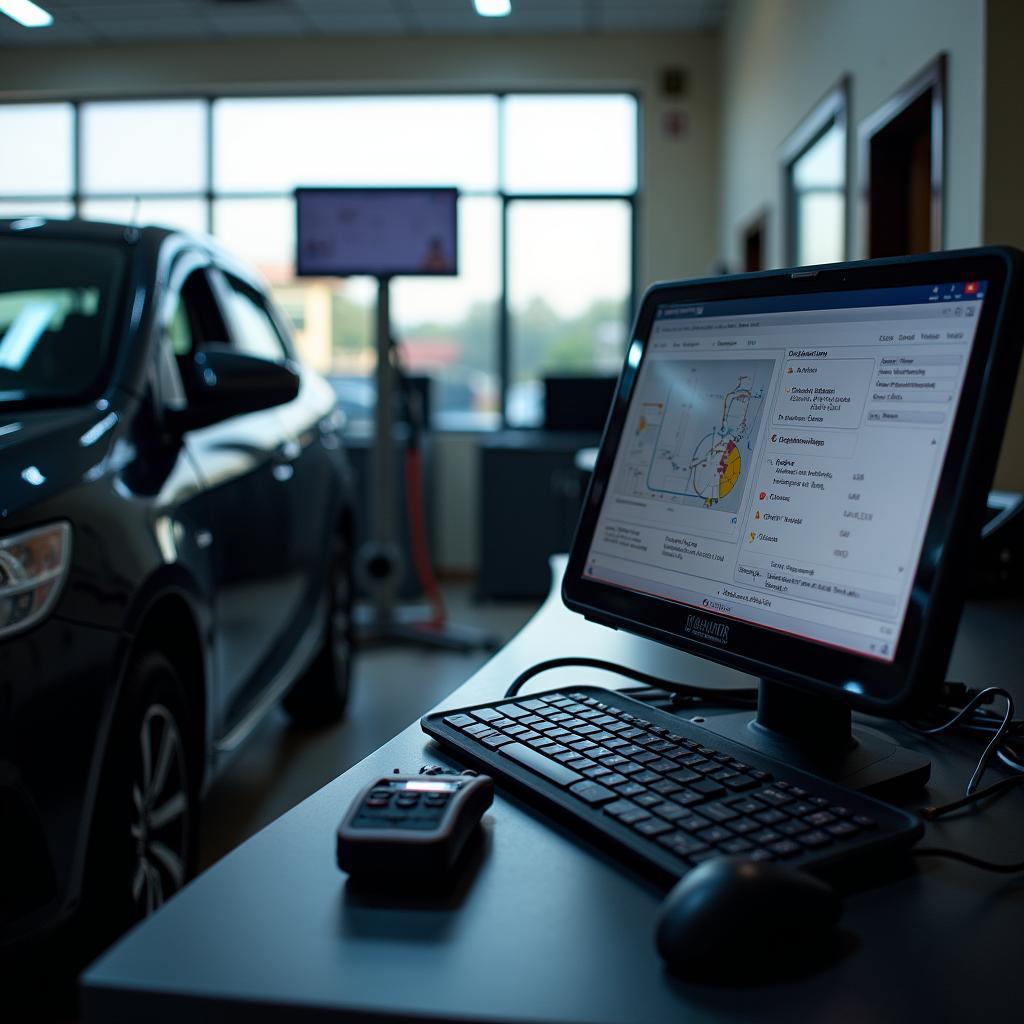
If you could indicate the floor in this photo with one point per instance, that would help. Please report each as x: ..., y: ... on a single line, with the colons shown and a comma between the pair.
x: 280, y: 765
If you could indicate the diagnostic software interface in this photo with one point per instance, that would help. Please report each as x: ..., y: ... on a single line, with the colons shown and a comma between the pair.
x: 780, y: 457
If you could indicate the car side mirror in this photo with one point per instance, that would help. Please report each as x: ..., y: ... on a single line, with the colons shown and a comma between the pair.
x: 222, y: 383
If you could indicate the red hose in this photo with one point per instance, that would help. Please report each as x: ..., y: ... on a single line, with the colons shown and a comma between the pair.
x: 418, y: 537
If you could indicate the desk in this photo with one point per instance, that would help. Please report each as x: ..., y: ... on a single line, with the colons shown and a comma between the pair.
x: 552, y: 931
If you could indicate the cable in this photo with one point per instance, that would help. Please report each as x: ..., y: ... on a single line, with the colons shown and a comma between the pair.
x: 962, y: 717
x: 418, y: 542
x: 966, y: 858
x: 419, y: 545
x: 744, y: 697
x: 997, y: 789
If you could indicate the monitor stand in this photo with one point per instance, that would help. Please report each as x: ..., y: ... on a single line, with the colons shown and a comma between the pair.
x: 815, y: 734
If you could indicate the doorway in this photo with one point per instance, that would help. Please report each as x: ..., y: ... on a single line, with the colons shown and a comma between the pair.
x: 902, y: 161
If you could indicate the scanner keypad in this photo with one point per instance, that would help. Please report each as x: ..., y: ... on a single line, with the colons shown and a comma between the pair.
x: 396, y: 805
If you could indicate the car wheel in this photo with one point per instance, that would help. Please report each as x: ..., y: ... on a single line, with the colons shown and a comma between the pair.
x: 320, y: 695
x: 144, y: 841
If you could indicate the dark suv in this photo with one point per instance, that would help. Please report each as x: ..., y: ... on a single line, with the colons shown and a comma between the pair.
x: 175, y: 536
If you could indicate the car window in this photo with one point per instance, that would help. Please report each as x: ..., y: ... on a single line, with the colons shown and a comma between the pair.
x: 253, y: 329
x: 179, y: 330
x: 58, y: 310
x: 195, y: 321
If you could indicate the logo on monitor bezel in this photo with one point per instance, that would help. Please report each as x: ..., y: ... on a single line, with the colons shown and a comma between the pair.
x: 706, y: 629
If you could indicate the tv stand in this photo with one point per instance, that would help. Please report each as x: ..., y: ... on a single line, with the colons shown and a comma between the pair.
x: 816, y: 734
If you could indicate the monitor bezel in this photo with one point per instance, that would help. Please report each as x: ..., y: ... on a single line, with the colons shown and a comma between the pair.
x: 937, y: 593
x: 302, y: 269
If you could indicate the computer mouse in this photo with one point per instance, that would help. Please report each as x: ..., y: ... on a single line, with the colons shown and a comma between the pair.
x: 734, y: 917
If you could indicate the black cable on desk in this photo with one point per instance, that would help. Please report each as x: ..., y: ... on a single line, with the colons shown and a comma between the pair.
x: 997, y: 789
x: 1007, y: 728
x: 966, y: 858
x: 738, y: 696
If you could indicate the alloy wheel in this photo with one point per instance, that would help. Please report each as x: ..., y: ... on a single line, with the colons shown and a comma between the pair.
x: 160, y: 817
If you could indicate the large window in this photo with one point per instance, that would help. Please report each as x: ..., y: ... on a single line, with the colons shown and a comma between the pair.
x: 548, y: 184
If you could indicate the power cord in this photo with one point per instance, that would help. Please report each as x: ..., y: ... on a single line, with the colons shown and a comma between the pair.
x: 995, y: 790
x: 966, y: 858
x: 734, y: 696
x: 1006, y: 734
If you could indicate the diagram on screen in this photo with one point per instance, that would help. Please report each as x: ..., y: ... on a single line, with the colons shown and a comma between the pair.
x: 694, y: 432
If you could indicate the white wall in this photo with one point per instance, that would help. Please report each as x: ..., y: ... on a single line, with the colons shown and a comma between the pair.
x: 1004, y: 171
x: 678, y: 205
x: 779, y: 57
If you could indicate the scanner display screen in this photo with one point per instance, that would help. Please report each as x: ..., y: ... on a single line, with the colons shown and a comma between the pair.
x: 780, y: 458
x: 431, y: 787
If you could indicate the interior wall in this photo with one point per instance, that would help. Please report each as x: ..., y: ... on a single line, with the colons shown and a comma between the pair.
x: 779, y: 58
x: 678, y: 160
x: 1003, y: 222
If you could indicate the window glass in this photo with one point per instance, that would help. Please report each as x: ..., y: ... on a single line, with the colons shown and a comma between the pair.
x: 35, y: 149
x: 179, y: 331
x: 261, y: 231
x: 139, y: 147
x: 58, y: 308
x: 817, y: 180
x: 447, y: 326
x: 333, y: 318
x: 252, y: 329
x: 278, y: 144
x: 183, y: 214
x: 44, y: 208
x: 570, y: 144
x: 569, y: 287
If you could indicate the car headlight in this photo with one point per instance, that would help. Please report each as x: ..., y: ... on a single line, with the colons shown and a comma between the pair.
x: 33, y: 565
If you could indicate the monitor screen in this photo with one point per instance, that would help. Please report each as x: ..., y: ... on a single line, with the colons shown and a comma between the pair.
x: 378, y: 231
x: 776, y: 464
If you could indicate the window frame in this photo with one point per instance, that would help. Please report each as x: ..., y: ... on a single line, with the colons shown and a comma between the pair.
x: 503, y: 327
x: 226, y: 285
x: 832, y: 110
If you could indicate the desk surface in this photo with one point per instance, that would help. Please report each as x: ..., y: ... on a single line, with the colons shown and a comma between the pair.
x: 548, y: 930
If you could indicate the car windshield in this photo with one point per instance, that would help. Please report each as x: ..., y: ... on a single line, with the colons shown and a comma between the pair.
x: 58, y: 307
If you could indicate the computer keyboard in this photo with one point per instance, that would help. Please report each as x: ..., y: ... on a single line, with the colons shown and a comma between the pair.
x: 662, y: 792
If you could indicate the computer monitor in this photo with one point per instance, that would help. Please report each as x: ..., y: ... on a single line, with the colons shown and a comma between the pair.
x: 790, y: 483
x: 382, y: 232
x: 577, y: 403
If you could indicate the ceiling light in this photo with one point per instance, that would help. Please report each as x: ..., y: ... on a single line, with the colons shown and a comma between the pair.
x: 26, y: 13
x: 493, y: 8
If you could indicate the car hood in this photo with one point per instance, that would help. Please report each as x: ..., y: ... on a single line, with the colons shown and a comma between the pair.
x: 45, y: 451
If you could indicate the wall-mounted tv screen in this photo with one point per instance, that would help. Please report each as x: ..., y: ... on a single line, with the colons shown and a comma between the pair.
x: 377, y: 231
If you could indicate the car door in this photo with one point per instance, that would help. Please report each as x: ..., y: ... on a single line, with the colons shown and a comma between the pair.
x: 243, y: 505
x: 306, y: 471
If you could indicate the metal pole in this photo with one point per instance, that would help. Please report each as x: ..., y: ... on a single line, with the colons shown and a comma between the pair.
x: 384, y: 530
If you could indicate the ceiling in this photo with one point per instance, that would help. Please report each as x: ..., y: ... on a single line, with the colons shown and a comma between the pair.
x: 82, y: 22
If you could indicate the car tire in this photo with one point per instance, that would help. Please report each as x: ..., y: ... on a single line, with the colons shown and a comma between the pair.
x: 144, y: 842
x: 319, y: 696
